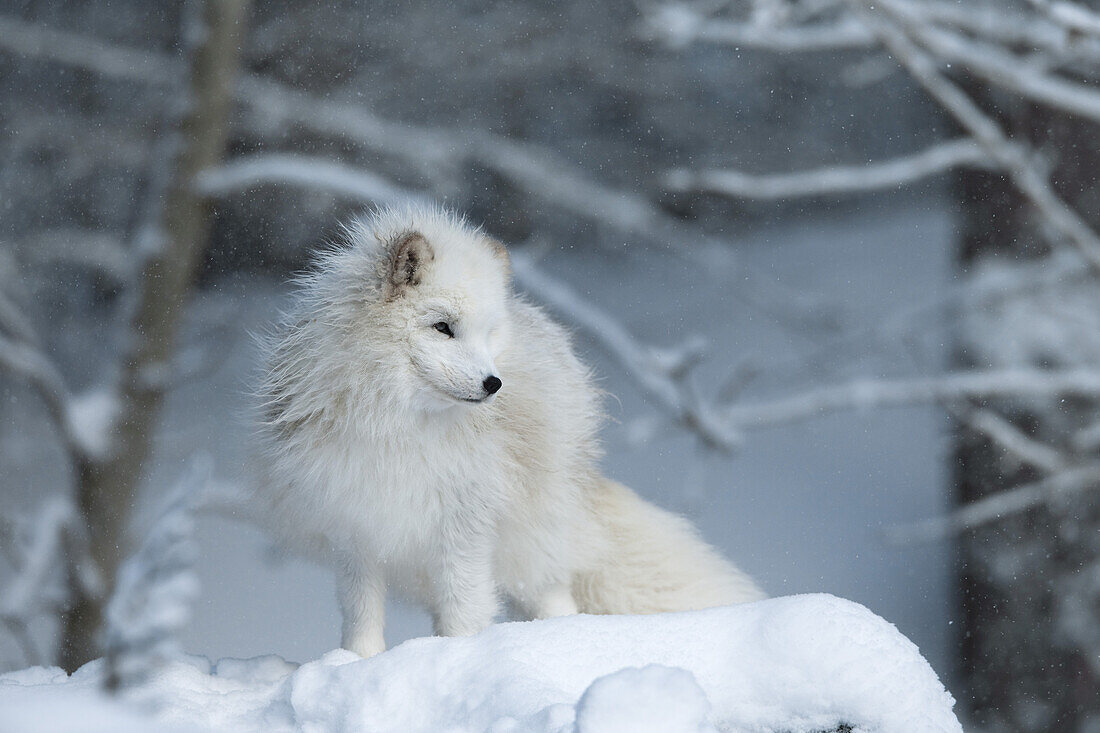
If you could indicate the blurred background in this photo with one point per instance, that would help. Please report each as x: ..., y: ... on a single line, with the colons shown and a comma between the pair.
x: 833, y: 261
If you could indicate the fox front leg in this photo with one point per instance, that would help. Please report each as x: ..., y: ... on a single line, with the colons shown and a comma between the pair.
x: 362, y: 596
x: 465, y: 597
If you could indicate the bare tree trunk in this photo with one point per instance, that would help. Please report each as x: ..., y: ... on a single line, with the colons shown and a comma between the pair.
x: 1019, y: 674
x: 107, y: 488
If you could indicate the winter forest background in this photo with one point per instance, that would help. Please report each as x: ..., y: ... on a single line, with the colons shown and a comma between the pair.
x: 835, y: 260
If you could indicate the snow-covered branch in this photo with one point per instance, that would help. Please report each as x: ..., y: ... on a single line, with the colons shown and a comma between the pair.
x: 1001, y: 504
x: 40, y: 557
x: 545, y: 176
x: 872, y: 394
x: 995, y: 22
x: 435, y: 153
x: 155, y: 588
x: 680, y: 24
x: 94, y: 251
x: 59, y: 539
x: 1019, y: 447
x: 21, y: 356
x: 54, y: 541
x: 663, y: 374
x: 1000, y: 67
x: 308, y: 171
x: 785, y: 30
x: 29, y: 363
x: 923, y: 37
x: 72, y: 49
x: 13, y: 321
x: 889, y: 174
x: 1020, y: 167
x: 440, y: 154
x: 1071, y: 15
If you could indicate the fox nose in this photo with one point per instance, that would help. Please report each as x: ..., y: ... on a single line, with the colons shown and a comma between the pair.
x: 491, y: 384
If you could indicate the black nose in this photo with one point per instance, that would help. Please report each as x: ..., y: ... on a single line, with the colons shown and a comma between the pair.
x: 491, y: 385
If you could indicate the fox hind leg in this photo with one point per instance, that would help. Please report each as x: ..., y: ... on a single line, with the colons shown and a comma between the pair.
x: 555, y: 601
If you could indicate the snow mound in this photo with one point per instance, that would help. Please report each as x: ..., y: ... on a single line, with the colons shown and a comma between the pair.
x: 653, y: 698
x: 799, y: 664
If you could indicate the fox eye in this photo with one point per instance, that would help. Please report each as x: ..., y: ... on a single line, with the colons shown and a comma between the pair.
x: 444, y: 328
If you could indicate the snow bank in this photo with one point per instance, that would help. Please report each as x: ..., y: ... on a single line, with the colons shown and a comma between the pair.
x: 801, y: 663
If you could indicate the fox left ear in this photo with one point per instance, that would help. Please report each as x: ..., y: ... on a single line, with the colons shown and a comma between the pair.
x: 501, y: 253
x: 407, y: 257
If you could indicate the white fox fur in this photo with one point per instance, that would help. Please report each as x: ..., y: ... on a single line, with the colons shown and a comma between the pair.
x: 386, y: 455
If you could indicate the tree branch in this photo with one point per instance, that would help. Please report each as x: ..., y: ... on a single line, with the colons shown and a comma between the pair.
x: 680, y: 25
x: 999, y: 67
x: 32, y: 365
x: 1000, y: 505
x: 1018, y: 166
x: 437, y: 153
x: 72, y: 49
x: 47, y: 551
x: 1018, y: 445
x: 868, y: 394
x: 662, y: 374
x: 14, y: 322
x: 156, y: 587
x: 937, y: 159
x: 308, y: 171
x: 1070, y: 15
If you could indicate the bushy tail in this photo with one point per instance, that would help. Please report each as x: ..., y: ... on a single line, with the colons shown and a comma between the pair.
x: 654, y: 561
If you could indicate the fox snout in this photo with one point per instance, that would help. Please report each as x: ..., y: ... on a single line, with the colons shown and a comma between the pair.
x: 491, y: 385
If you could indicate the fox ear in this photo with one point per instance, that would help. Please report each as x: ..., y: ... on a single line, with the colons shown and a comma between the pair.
x: 501, y: 253
x: 407, y: 257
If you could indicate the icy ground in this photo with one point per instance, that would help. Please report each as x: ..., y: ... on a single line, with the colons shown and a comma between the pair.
x: 795, y: 664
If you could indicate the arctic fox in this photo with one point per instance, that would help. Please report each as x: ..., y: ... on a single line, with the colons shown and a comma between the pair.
x: 425, y: 429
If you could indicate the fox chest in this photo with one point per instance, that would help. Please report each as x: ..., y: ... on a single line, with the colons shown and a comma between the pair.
x: 410, y: 499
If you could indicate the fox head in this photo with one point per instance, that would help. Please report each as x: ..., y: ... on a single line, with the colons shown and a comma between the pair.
x: 434, y: 312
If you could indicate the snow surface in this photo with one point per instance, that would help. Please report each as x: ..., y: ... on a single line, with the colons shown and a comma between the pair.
x: 799, y: 663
